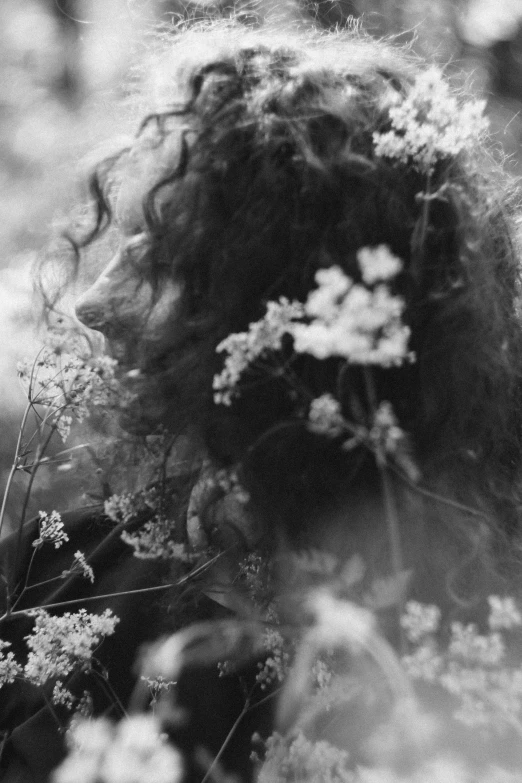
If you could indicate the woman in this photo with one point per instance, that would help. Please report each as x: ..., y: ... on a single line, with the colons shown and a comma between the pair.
x: 317, y: 288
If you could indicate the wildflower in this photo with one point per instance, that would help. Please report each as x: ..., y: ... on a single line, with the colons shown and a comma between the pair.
x: 63, y: 426
x: 51, y: 530
x: 60, y: 645
x: 9, y: 667
x: 325, y: 417
x: 153, y: 541
x: 275, y: 667
x: 304, y: 760
x: 134, y: 751
x: 424, y: 663
x: 244, y: 348
x: 361, y: 325
x: 80, y: 564
x: 62, y: 695
x: 504, y: 613
x: 429, y: 125
x: 120, y: 508
x: 471, y: 646
x: 157, y: 686
x: 386, y: 434
x: 420, y: 620
x: 378, y: 263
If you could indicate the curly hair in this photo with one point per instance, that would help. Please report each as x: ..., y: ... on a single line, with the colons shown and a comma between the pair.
x: 278, y: 177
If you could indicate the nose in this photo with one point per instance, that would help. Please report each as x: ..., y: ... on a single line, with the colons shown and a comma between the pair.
x: 89, y: 312
x: 98, y: 306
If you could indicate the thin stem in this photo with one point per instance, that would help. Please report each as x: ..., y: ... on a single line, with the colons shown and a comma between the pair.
x: 392, y: 517
x: 435, y: 496
x: 210, y: 771
x: 14, y: 466
x: 52, y: 711
x: 40, y: 451
x: 141, y: 590
x: 111, y: 693
x: 25, y: 587
x: 425, y: 212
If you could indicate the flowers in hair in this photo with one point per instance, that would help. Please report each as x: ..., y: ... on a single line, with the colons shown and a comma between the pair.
x: 429, y: 125
x: 244, y: 348
x: 352, y: 321
x: 360, y: 322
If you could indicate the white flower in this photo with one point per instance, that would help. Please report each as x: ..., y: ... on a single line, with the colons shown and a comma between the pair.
x: 299, y: 759
x: 50, y: 529
x: 504, y: 613
x: 420, y: 620
x: 378, y: 263
x: 134, y: 751
x: 120, y: 508
x: 60, y: 645
x: 424, y: 663
x: 9, y: 667
x: 325, y: 417
x: 385, y: 434
x: 429, y: 125
x: 347, y: 320
x: 69, y: 383
x: 361, y: 325
x: 275, y: 667
x: 467, y: 644
x: 244, y: 348
x: 62, y: 695
x: 80, y: 564
x: 153, y: 541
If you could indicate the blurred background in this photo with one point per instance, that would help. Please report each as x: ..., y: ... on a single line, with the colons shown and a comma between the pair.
x: 67, y: 65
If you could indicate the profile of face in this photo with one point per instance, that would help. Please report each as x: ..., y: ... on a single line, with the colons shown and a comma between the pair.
x: 123, y: 303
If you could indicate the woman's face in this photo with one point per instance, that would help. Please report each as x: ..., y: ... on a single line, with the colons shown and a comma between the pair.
x: 122, y: 303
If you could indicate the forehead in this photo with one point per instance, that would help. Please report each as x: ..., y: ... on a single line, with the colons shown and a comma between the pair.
x: 153, y: 156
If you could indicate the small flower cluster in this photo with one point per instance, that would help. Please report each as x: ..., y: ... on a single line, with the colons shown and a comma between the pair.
x: 360, y: 322
x: 155, y: 538
x: 60, y: 645
x: 81, y: 566
x: 51, y: 530
x: 303, y: 760
x: 157, y: 686
x: 429, y: 125
x: 153, y: 541
x: 276, y: 665
x: 352, y: 321
x: 57, y: 647
x: 9, y: 666
x: 325, y: 417
x: 133, y: 751
x: 244, y: 348
x: 473, y: 668
x: 69, y: 384
x: 121, y: 508
x: 62, y: 696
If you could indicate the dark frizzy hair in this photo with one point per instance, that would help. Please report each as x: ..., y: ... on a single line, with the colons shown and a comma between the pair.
x: 277, y: 176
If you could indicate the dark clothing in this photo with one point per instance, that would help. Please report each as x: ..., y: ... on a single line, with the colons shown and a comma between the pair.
x: 33, y: 745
